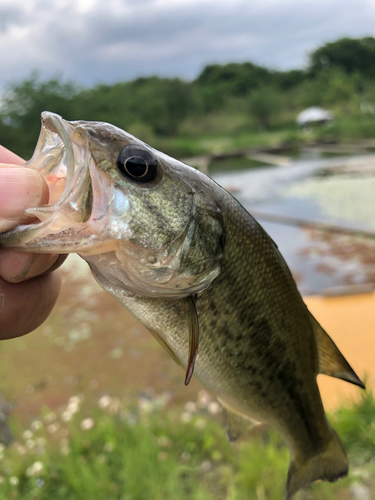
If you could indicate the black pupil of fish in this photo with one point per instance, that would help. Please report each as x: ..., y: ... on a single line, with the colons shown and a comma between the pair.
x: 136, y: 166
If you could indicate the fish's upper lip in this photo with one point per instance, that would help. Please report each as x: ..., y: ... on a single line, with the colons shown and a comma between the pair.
x: 55, y: 123
x: 55, y: 142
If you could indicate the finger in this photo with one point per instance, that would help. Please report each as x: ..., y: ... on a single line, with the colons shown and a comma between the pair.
x: 7, y: 156
x: 20, y: 266
x: 58, y: 262
x: 24, y: 306
x: 20, y: 188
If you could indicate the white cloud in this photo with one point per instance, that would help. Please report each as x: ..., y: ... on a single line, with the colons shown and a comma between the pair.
x: 93, y: 41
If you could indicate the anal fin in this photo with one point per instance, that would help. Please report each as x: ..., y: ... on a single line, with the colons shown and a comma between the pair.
x: 331, y: 361
x: 236, y: 423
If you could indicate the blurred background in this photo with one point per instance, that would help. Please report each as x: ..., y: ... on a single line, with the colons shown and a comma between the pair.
x: 276, y: 101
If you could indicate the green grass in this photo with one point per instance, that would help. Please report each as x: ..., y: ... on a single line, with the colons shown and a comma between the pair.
x: 185, y: 146
x: 344, y: 129
x: 139, y: 450
x: 356, y: 426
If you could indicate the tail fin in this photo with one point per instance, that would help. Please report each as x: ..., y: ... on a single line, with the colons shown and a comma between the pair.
x: 329, y: 465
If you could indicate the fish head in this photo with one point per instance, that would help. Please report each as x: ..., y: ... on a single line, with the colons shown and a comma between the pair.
x: 141, y: 219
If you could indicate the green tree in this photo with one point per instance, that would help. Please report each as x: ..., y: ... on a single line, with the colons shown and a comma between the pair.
x: 264, y: 105
x: 347, y: 54
x: 21, y: 108
x: 218, y: 82
x: 287, y: 80
x: 160, y: 103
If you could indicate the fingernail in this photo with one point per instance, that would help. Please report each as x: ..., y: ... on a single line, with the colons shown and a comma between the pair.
x: 20, y: 188
x: 18, y: 266
x: 39, y: 264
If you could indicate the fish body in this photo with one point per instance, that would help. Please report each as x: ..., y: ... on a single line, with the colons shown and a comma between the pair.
x: 187, y: 259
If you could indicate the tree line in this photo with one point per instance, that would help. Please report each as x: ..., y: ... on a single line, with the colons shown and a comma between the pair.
x: 222, y: 99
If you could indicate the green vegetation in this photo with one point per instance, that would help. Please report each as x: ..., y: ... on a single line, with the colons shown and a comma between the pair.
x: 140, y: 450
x: 227, y: 106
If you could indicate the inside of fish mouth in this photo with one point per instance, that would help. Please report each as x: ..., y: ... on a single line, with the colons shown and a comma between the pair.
x: 54, y: 159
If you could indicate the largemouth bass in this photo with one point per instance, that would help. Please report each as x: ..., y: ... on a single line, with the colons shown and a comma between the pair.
x: 192, y: 265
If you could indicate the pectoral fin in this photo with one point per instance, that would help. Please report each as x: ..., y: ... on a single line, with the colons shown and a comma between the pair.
x: 193, y: 324
x: 331, y: 361
x: 235, y: 422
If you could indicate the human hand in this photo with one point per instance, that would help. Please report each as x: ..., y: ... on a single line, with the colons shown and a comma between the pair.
x: 28, y: 287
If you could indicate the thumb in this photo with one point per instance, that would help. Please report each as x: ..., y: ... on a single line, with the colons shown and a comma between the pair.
x: 20, y: 188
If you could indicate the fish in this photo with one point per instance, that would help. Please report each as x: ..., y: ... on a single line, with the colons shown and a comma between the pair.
x: 186, y: 259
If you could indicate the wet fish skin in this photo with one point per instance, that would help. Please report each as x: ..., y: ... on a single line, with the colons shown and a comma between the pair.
x: 155, y: 246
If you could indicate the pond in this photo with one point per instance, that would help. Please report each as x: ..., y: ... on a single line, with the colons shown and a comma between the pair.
x: 339, y: 191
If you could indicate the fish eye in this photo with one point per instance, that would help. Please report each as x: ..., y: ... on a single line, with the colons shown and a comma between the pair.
x: 137, y: 164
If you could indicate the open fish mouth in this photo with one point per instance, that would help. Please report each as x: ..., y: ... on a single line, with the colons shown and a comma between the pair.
x: 62, y: 156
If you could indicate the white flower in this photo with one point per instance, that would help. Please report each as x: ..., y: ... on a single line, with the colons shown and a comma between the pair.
x: 30, y: 443
x: 36, y: 425
x: 213, y: 408
x: 2, y: 447
x: 52, y: 428
x: 72, y: 407
x: 87, y: 423
x: 206, y: 466
x: 186, y: 417
x: 66, y: 416
x: 64, y: 450
x: 114, y: 406
x: 13, y: 480
x: 200, y: 423
x: 203, y: 399
x: 164, y: 441
x: 76, y: 400
x: 35, y: 469
x: 41, y: 441
x: 185, y: 455
x: 191, y: 406
x: 27, y: 434
x: 104, y: 402
x: 50, y: 417
x: 145, y: 405
x: 64, y: 433
x: 64, y: 447
x: 21, y: 449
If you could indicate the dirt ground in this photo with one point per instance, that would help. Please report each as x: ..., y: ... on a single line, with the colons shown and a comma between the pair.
x: 350, y: 321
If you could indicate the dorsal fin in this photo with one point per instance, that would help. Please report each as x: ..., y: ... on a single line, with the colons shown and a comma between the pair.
x: 235, y: 422
x: 331, y: 361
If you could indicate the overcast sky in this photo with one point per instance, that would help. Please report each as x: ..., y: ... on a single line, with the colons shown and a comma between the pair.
x: 92, y: 41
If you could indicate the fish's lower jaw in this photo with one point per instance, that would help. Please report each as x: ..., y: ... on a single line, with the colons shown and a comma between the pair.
x: 56, y: 234
x: 329, y: 465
